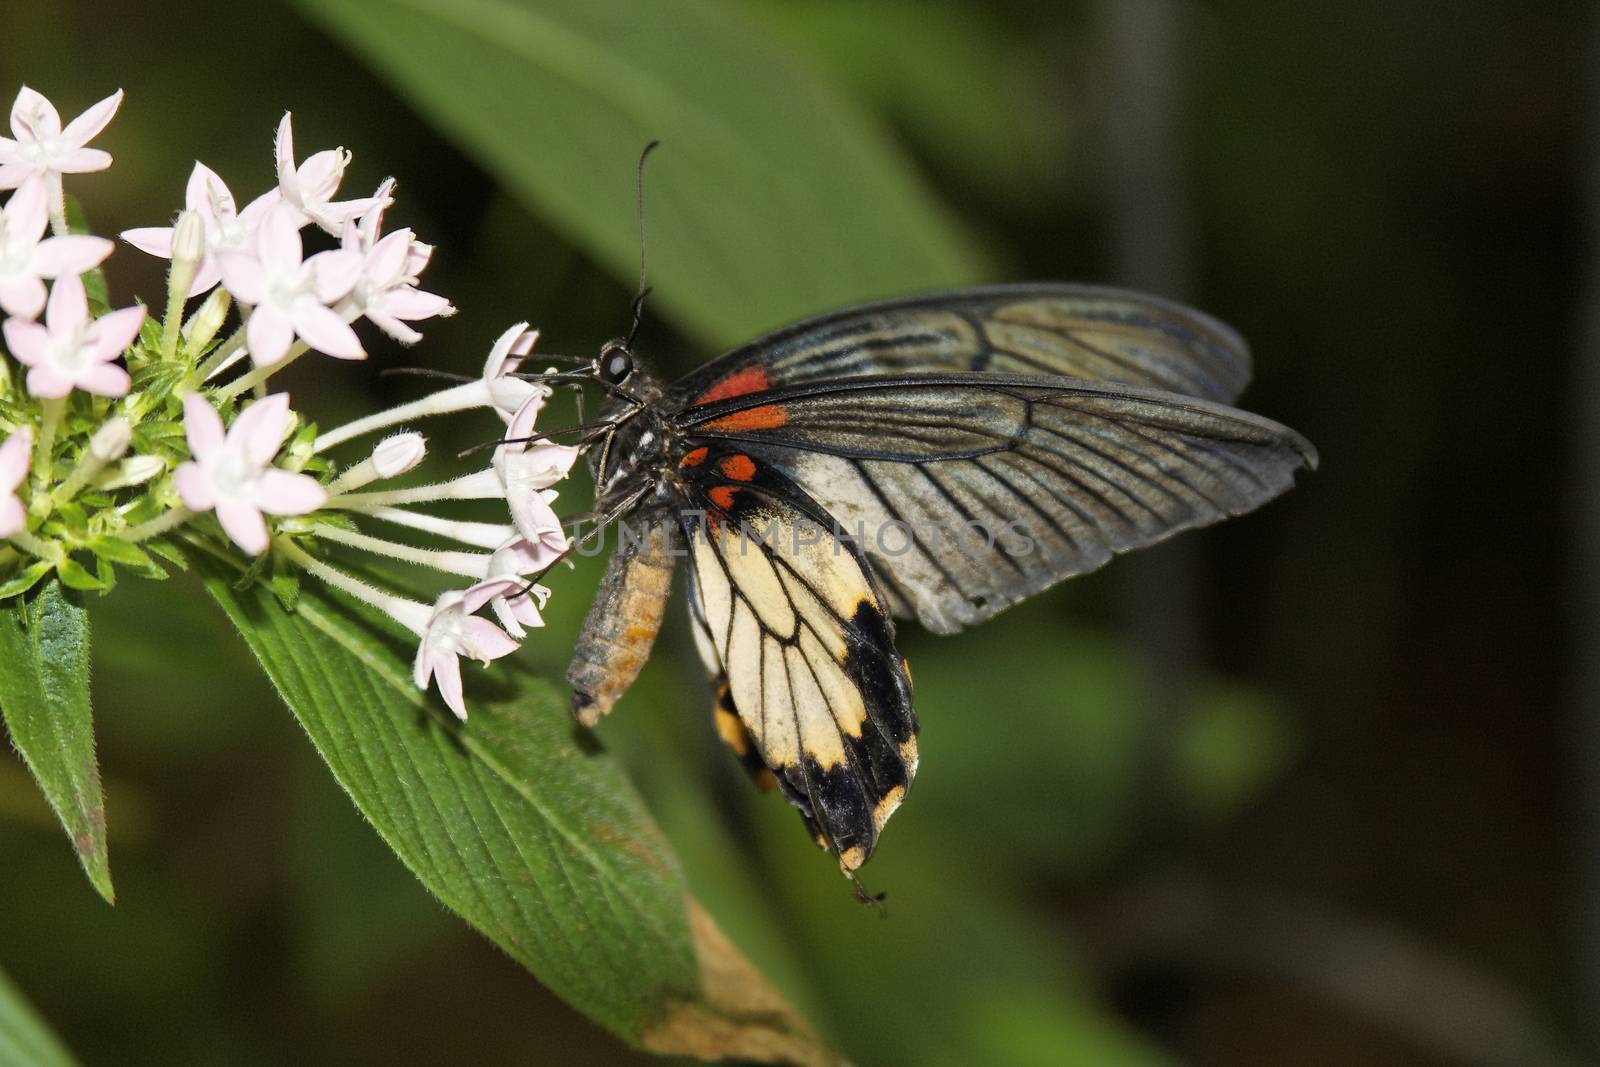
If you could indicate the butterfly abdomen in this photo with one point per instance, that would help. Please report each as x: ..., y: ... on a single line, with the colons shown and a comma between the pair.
x: 622, y: 624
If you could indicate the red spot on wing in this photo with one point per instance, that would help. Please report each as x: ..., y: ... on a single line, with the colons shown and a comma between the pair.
x: 739, y: 468
x: 722, y: 496
x: 765, y: 417
x: 695, y: 458
x: 748, y: 380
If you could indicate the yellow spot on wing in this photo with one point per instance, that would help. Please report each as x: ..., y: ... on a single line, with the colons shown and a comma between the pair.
x: 886, y: 807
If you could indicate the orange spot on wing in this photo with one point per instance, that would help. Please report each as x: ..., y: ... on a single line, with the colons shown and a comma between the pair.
x: 749, y: 380
x: 722, y: 496
x: 765, y: 417
x: 739, y: 468
x: 695, y: 458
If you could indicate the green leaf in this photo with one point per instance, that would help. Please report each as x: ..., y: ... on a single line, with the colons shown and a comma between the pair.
x: 74, y: 575
x: 44, y: 697
x: 25, y: 581
x: 771, y: 196
x: 24, y: 1037
x: 519, y: 827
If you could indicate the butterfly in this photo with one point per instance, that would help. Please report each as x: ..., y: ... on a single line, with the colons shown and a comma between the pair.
x: 936, y: 458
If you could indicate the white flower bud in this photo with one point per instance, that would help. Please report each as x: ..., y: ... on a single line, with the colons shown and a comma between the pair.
x: 397, y: 454
x: 188, y: 238
x: 111, y: 440
x: 204, y: 324
x: 135, y: 470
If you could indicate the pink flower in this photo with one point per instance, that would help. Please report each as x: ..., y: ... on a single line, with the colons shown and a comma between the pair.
x: 454, y: 631
x: 41, y: 148
x: 14, y: 456
x: 227, y: 228
x: 25, y: 259
x: 386, y: 291
x: 309, y: 187
x: 290, y: 293
x: 521, y: 606
x: 69, y: 351
x: 232, y: 471
x: 508, y: 393
x: 527, y: 470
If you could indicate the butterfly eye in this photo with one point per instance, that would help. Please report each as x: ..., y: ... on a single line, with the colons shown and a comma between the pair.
x: 616, y: 363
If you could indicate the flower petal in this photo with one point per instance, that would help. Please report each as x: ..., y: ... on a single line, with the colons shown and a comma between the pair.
x: 13, y: 173
x: 244, y: 525
x: 156, y: 240
x: 82, y: 161
x: 105, y: 379
x: 28, y: 210
x: 72, y: 254
x: 261, y: 428
x: 13, y: 516
x: 45, y: 381
x: 447, y: 675
x: 268, y: 334
x: 23, y: 295
x: 334, y: 273
x: 81, y: 130
x: 33, y: 117
x: 478, y: 595
x: 283, y: 493
x: 404, y: 302
x: 14, y: 457
x: 326, y: 331
x: 206, y: 276
x: 278, y: 242
x: 68, y: 309
x: 113, y: 332
x: 202, y: 426
x: 486, y: 641
x: 28, y: 341
x: 208, y: 194
x: 242, y: 276
x: 194, y: 487
x: 283, y: 150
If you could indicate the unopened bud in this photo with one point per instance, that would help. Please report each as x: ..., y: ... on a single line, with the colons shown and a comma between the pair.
x: 398, y: 454
x: 188, y: 248
x: 111, y: 440
x: 135, y: 470
x: 204, y: 323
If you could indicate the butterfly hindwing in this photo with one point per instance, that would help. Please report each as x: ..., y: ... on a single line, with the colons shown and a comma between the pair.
x: 789, y: 615
x: 969, y: 492
x: 1050, y: 329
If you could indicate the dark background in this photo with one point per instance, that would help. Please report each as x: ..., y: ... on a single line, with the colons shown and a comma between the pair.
x: 1316, y: 787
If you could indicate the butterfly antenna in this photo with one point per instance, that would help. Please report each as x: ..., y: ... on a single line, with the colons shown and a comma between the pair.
x: 425, y: 372
x: 644, y: 290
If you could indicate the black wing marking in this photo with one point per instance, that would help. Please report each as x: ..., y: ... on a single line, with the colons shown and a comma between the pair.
x: 1075, y: 331
x: 1058, y: 474
x: 789, y: 615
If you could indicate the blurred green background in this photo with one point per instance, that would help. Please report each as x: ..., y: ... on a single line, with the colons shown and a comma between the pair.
x: 1315, y: 787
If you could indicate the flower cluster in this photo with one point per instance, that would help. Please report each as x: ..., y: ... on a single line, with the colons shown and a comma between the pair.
x: 129, y: 440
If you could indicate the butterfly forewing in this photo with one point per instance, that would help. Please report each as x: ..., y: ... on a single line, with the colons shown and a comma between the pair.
x: 970, y: 492
x: 1076, y: 331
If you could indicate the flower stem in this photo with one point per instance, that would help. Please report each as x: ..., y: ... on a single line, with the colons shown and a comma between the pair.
x: 482, y: 485
x: 219, y: 360
x: 456, y: 398
x: 410, y: 614
x: 156, y: 526
x: 58, y: 207
x: 467, y: 564
x: 36, y: 548
x: 261, y: 374
x: 49, y: 421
